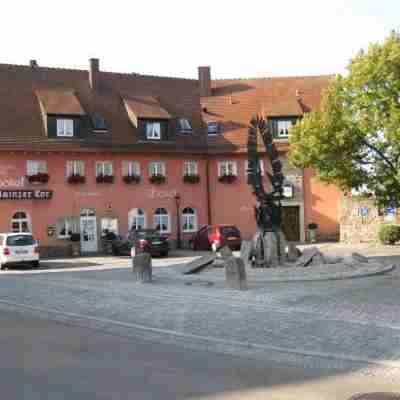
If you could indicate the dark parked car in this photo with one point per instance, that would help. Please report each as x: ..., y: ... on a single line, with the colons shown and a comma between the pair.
x: 215, y: 236
x: 150, y: 240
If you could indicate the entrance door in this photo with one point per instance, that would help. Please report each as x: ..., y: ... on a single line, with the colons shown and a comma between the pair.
x: 291, y: 223
x: 88, y: 231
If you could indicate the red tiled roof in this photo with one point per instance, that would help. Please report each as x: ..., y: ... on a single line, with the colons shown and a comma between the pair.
x: 146, y: 107
x: 59, y: 102
x: 234, y: 102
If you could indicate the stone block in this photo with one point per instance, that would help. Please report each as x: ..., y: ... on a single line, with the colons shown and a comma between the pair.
x: 142, y: 268
x: 246, y: 253
x: 293, y: 252
x: 225, y: 252
x: 308, y: 255
x: 271, y: 249
x: 198, y: 264
x: 235, y: 273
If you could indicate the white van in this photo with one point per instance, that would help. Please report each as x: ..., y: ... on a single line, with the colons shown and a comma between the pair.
x: 18, y: 248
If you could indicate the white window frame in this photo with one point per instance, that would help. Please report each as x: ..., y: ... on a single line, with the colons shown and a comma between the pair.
x: 184, y: 125
x: 101, y: 168
x: 159, y: 167
x: 285, y: 125
x: 34, y: 167
x: 134, y: 216
x: 20, y: 221
x: 70, y: 223
x: 75, y: 167
x: 65, y: 127
x: 158, y: 219
x: 229, y: 166
x: 130, y: 168
x: 107, y: 223
x: 190, y: 168
x: 189, y: 219
x: 246, y: 165
x: 152, y: 133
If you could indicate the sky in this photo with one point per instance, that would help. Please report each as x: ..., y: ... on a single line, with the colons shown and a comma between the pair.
x: 238, y: 39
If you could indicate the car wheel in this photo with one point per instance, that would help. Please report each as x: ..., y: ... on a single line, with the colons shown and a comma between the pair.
x: 2, y: 267
x: 164, y: 253
x: 36, y: 264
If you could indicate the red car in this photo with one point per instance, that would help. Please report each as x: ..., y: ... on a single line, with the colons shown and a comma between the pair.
x: 215, y: 236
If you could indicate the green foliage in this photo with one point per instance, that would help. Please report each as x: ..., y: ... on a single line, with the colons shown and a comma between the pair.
x: 389, y: 234
x: 312, y: 225
x: 353, y: 140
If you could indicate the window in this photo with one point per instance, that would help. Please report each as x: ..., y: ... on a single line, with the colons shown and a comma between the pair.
x: 283, y: 128
x: 65, y: 127
x: 246, y: 166
x: 75, y: 168
x: 36, y: 167
x: 109, y: 228
x: 190, y: 168
x: 157, y: 168
x: 189, y: 220
x: 161, y: 220
x: 130, y: 168
x: 99, y: 123
x: 184, y: 125
x: 20, y: 222
x: 153, y: 130
x: 137, y: 219
x: 227, y: 168
x: 213, y: 128
x: 104, y: 168
x: 66, y: 226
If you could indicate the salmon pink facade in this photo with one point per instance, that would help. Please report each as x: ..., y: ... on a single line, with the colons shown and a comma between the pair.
x: 84, y: 153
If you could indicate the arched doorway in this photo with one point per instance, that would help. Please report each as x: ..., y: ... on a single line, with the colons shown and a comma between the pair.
x: 88, y: 231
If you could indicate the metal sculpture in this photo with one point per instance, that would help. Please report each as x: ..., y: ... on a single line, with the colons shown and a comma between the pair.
x: 269, y: 242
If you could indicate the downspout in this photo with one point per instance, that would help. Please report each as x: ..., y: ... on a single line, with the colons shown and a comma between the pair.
x: 209, y: 218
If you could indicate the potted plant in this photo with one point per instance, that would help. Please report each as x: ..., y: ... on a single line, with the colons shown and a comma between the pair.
x: 75, y: 238
x: 131, y: 178
x: 157, y: 179
x: 227, y: 178
x: 76, y: 178
x: 40, y: 177
x: 104, y: 178
x: 191, y: 178
x: 312, y: 232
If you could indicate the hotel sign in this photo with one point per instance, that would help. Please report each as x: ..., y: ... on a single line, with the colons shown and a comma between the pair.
x: 26, y: 194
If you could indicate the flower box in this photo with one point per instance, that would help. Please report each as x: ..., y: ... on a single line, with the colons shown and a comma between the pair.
x: 76, y: 178
x: 40, y: 177
x: 104, y: 178
x: 131, y: 178
x: 191, y: 178
x: 157, y: 179
x: 227, y: 178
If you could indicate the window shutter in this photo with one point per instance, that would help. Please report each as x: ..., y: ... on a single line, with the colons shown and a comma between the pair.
x: 51, y: 126
x: 170, y: 128
x: 141, y: 130
x: 76, y: 127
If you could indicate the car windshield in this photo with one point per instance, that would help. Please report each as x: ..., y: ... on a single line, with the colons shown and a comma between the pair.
x: 20, y: 240
x: 230, y: 231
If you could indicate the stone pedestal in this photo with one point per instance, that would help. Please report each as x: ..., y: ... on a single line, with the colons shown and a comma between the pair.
x: 246, y: 253
x: 271, y: 249
x: 235, y: 273
x: 141, y: 268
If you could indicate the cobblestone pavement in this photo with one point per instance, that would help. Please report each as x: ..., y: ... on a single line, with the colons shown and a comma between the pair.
x: 349, y: 324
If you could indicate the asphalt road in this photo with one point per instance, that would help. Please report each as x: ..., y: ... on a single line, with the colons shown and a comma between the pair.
x: 43, y: 359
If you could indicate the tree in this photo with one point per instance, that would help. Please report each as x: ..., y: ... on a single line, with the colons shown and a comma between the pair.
x: 353, y: 140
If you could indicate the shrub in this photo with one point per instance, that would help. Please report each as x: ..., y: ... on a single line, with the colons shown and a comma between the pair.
x: 389, y: 234
x: 131, y: 178
x: 191, y: 178
x: 312, y: 225
x: 227, y: 178
x: 157, y: 179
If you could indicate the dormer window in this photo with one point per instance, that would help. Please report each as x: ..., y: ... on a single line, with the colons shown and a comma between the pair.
x: 65, y: 127
x: 213, y: 128
x: 184, y: 125
x: 99, y: 124
x: 153, y: 130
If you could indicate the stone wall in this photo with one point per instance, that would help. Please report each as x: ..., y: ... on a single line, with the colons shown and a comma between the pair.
x: 360, y: 220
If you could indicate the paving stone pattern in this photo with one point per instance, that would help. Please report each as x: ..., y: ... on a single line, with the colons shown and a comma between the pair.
x: 340, y: 324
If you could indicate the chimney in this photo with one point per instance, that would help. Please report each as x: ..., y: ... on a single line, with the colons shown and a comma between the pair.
x: 33, y: 63
x: 94, y: 73
x: 205, y: 81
